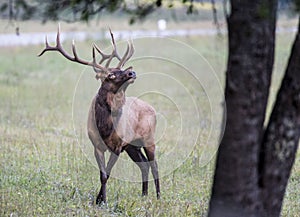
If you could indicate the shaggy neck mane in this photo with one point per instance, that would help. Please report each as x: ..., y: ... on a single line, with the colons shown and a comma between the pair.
x: 108, y: 109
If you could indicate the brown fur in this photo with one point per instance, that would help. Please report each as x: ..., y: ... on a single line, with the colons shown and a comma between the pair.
x: 115, y: 122
x: 119, y: 123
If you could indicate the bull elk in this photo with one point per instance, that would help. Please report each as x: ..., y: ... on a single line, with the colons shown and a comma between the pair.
x: 115, y: 122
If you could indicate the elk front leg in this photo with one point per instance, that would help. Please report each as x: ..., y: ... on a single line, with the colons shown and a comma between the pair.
x: 150, y: 152
x: 104, y: 173
x: 99, y: 155
x: 111, y: 162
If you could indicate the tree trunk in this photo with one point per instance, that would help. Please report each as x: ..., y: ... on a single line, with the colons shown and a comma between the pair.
x: 281, y: 138
x: 251, y: 29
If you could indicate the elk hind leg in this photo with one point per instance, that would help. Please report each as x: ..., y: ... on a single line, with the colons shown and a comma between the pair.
x: 150, y: 152
x: 138, y: 157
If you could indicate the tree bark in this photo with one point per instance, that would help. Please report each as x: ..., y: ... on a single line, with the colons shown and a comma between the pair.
x: 281, y: 137
x: 251, y: 29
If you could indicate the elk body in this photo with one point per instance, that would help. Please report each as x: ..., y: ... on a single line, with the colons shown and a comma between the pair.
x: 115, y: 122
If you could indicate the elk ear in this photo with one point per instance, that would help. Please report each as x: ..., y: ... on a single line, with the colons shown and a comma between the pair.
x: 101, y: 76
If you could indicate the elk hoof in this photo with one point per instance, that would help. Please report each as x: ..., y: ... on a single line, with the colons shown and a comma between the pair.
x: 100, y: 200
x: 158, y: 196
x: 101, y: 204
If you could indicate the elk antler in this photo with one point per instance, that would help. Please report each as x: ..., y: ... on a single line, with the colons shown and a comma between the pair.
x: 114, y: 54
x: 101, y: 71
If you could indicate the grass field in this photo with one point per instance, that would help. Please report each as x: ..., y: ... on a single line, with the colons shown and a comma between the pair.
x: 47, y: 168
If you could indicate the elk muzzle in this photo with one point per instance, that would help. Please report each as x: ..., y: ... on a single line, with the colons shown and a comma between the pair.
x: 131, y: 76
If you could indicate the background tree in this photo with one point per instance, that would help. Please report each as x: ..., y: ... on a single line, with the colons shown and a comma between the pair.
x: 254, y: 163
x: 255, y: 158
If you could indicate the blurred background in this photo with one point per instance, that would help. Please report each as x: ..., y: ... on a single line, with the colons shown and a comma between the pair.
x: 47, y: 164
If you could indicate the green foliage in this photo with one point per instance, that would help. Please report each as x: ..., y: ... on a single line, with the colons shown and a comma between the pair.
x: 297, y: 5
x: 82, y: 10
x: 21, y: 9
x: 3, y: 7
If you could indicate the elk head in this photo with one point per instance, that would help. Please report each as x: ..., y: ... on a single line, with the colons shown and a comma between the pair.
x: 118, y: 80
x: 101, y: 71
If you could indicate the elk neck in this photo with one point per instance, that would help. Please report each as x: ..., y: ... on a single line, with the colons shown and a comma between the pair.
x: 108, y: 110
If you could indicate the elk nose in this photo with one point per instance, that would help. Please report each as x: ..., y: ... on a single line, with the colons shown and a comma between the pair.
x: 131, y: 74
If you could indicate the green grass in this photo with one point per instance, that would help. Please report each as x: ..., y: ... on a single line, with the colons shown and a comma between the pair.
x: 47, y: 168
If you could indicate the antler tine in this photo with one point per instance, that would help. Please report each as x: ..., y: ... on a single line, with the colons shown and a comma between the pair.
x: 121, y: 63
x: 96, y: 69
x: 131, y: 52
x: 128, y: 54
x: 58, y: 36
x: 75, y: 58
x: 74, y: 49
x: 46, y: 48
x: 103, y: 55
x: 46, y: 41
x: 52, y: 48
x: 114, y: 54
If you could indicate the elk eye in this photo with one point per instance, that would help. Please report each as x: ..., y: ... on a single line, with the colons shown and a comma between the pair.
x: 112, y: 76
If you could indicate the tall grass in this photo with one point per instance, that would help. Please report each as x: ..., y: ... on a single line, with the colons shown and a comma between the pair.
x: 46, y: 166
